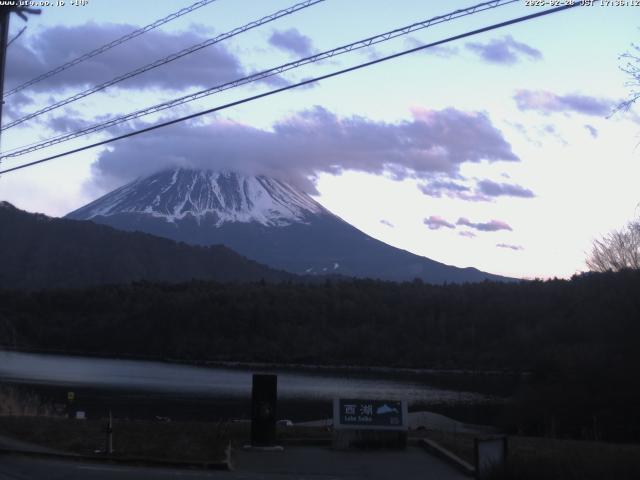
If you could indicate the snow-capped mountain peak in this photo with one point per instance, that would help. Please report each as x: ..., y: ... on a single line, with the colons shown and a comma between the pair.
x: 224, y: 197
x: 264, y: 219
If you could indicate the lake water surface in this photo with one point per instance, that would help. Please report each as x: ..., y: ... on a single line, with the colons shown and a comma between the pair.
x: 72, y: 371
x: 147, y: 389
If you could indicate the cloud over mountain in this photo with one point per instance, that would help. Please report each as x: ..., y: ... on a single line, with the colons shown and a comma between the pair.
x: 310, y: 142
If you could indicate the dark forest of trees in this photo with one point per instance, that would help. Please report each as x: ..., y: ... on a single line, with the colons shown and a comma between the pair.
x: 44, y: 252
x: 578, y: 338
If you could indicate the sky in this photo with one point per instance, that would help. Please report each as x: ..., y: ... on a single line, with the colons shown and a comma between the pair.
x: 499, y: 151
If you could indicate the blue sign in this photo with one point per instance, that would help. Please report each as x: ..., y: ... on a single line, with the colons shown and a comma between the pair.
x: 370, y: 413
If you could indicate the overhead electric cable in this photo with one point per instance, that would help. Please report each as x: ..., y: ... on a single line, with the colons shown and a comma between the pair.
x: 383, y: 37
x: 299, y: 84
x: 109, y: 46
x: 168, y: 59
x: 16, y: 36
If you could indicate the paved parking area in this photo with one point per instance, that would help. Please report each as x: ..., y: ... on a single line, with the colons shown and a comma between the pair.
x: 295, y: 463
x: 324, y: 463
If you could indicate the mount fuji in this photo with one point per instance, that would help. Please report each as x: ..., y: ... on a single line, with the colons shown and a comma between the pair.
x: 264, y: 219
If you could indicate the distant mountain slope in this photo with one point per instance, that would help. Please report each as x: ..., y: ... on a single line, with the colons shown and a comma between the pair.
x: 42, y: 252
x: 265, y: 219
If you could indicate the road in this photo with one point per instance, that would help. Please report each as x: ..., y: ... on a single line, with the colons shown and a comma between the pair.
x: 296, y: 463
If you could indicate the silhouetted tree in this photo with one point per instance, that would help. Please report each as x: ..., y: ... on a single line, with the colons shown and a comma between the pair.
x: 617, y: 250
x: 631, y: 67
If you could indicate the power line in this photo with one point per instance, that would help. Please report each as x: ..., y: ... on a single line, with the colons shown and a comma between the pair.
x: 299, y: 84
x: 168, y: 59
x: 16, y: 36
x: 259, y: 76
x: 109, y: 46
x: 383, y: 37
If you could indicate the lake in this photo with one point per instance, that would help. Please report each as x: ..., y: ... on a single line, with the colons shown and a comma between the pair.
x: 146, y: 389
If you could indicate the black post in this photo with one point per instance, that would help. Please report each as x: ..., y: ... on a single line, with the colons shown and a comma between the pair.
x: 264, y: 399
x: 5, y: 12
x: 109, y: 440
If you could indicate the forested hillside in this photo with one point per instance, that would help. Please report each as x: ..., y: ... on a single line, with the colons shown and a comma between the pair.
x: 43, y: 252
x: 485, y: 325
x: 578, y: 338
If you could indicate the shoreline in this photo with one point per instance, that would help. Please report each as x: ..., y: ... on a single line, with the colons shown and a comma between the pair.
x: 241, y: 364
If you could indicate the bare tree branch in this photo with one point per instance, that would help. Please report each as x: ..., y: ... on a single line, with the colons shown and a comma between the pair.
x: 631, y: 67
x: 617, y: 250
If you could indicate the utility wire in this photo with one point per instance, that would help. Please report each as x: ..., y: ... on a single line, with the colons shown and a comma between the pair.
x: 168, y: 59
x: 383, y: 37
x: 299, y: 84
x: 15, y: 37
x: 109, y: 46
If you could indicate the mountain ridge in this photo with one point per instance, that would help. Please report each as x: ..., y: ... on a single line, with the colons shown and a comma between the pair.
x: 289, y: 230
x: 41, y: 252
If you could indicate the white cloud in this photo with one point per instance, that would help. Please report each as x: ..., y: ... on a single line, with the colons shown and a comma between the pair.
x: 313, y: 141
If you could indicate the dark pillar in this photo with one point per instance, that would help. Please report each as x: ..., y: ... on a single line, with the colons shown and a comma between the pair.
x: 4, y: 35
x: 264, y: 398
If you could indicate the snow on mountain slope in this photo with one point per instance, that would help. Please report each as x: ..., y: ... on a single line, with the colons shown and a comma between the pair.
x: 264, y: 219
x: 223, y: 196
